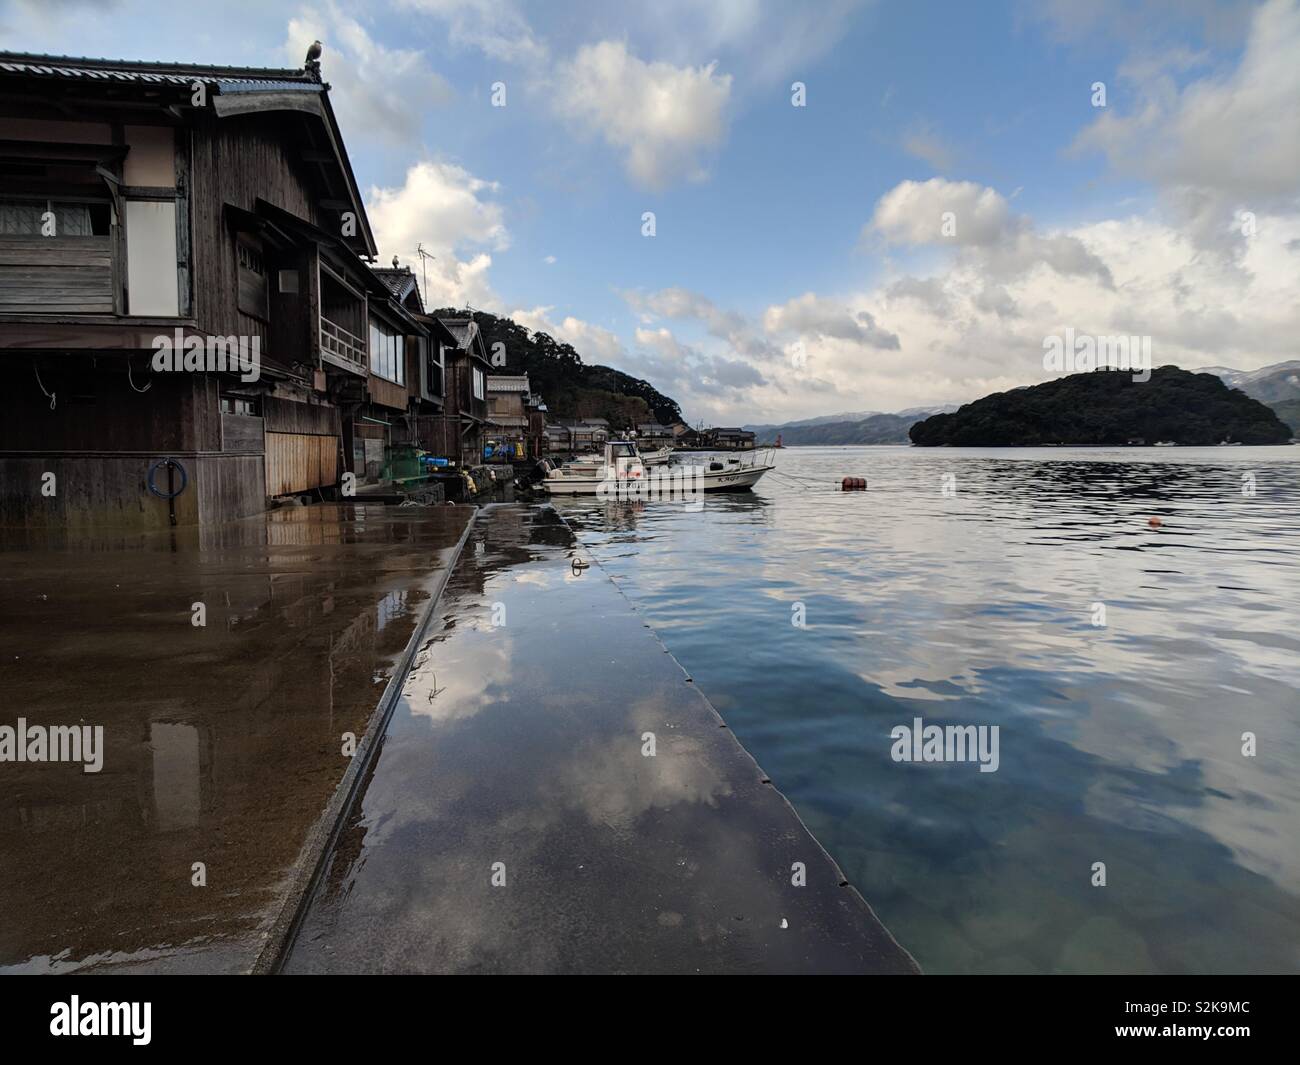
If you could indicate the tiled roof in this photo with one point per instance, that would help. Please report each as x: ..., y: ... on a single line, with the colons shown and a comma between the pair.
x: 228, y: 79
x: 507, y: 382
x: 514, y: 421
x: 462, y: 329
x: 400, y: 282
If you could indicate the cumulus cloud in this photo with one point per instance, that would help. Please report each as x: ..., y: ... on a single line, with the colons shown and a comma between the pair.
x: 697, y: 379
x: 917, y: 212
x: 372, y: 86
x: 663, y: 119
x: 738, y: 332
x: 965, y: 330
x: 594, y: 343
x: 978, y: 220
x: 663, y: 345
x: 1219, y: 144
x: 966, y: 334
x: 447, y: 209
x: 927, y: 291
x: 813, y: 314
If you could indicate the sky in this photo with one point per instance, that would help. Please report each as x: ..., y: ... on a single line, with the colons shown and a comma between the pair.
x: 857, y: 206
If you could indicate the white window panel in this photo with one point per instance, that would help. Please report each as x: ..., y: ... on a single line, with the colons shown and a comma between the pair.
x: 151, y: 258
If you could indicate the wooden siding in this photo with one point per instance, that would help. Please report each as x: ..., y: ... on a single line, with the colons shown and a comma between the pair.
x: 439, y: 435
x: 287, y: 416
x: 388, y: 394
x: 241, y: 432
x: 111, y: 491
x: 96, y: 409
x: 297, y: 462
x: 228, y: 486
x: 56, y: 275
x: 238, y: 161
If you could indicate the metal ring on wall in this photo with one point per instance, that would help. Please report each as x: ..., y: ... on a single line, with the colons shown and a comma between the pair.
x: 163, y: 464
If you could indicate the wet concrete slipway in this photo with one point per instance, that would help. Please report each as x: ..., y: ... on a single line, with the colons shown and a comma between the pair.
x: 223, y: 743
x: 500, y: 813
x: 552, y: 794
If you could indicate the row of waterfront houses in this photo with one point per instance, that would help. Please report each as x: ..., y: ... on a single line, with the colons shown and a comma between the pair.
x: 187, y: 272
x: 191, y: 319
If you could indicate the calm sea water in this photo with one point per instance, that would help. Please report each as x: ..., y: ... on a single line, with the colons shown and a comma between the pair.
x: 1120, y: 744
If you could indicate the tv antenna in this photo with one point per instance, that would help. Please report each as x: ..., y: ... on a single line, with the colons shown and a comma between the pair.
x: 424, y: 267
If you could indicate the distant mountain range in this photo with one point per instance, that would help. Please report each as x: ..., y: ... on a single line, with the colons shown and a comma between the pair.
x: 856, y: 427
x: 1278, y: 386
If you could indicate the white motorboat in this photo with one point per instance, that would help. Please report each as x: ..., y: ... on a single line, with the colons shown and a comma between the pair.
x: 623, y: 473
x: 725, y: 470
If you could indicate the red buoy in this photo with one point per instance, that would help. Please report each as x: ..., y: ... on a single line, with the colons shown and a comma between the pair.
x: 853, y: 484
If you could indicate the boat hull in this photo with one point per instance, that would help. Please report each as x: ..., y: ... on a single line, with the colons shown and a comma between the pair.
x: 709, y: 481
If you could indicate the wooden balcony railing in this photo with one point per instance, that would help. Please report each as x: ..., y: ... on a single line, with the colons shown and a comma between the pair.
x: 342, y: 348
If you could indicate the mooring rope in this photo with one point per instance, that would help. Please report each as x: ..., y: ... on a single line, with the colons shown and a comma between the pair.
x: 131, y: 381
x: 53, y: 397
x: 808, y: 484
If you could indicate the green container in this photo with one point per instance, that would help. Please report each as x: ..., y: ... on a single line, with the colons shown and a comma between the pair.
x: 402, y: 464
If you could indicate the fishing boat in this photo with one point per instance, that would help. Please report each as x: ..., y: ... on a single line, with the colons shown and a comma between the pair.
x: 725, y: 471
x: 622, y: 470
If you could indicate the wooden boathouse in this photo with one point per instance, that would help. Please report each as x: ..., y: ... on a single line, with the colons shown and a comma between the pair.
x: 214, y: 208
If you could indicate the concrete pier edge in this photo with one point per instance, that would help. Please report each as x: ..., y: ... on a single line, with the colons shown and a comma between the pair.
x: 314, y: 853
x: 316, y: 850
x: 843, y: 880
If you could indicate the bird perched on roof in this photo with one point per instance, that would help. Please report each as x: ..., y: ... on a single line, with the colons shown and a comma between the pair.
x: 312, y: 65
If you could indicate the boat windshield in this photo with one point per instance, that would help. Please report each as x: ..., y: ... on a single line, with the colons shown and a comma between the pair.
x: 622, y: 451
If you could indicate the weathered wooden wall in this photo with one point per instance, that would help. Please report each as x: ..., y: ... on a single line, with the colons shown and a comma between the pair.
x: 111, y: 491
x: 388, y: 394
x: 240, y: 160
x: 439, y: 434
x: 67, y: 275
x: 97, y: 409
x: 242, y: 432
x: 287, y: 416
x: 90, y: 490
x: 228, y: 486
x: 298, y: 462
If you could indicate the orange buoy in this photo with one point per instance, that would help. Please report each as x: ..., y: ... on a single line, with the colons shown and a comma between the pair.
x: 1155, y: 523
